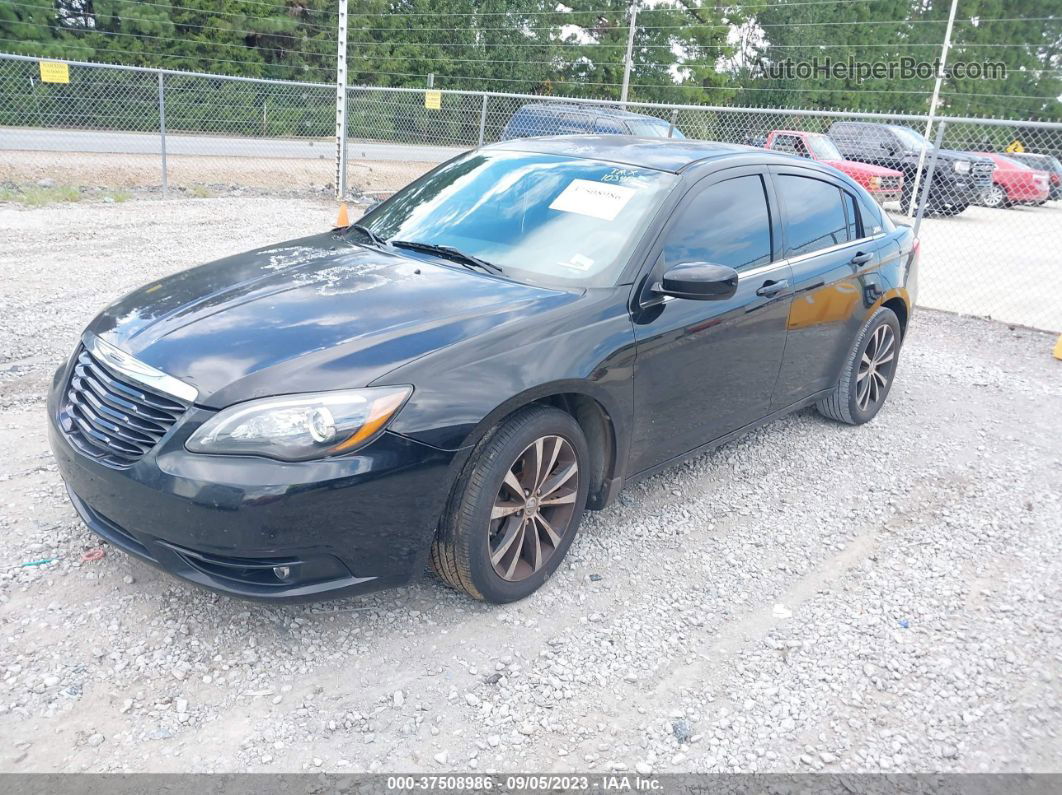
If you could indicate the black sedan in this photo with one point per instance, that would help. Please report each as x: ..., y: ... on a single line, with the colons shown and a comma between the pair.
x: 506, y: 342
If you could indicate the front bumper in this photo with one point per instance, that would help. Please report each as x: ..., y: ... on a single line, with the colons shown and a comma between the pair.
x: 882, y: 195
x: 340, y: 526
x: 955, y: 189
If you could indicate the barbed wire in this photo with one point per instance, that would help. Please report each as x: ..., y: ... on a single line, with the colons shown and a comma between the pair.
x: 59, y: 27
x: 192, y: 58
x: 240, y: 45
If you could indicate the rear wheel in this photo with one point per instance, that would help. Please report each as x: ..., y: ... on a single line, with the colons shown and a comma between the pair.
x: 868, y: 374
x: 515, y: 513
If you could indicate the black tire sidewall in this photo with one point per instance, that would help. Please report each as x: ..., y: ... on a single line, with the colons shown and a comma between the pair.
x: 884, y: 316
x: 547, y: 422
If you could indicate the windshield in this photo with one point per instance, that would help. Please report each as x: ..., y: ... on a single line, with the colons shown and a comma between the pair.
x: 910, y: 139
x: 544, y: 219
x: 652, y: 128
x: 824, y: 148
x: 1011, y: 162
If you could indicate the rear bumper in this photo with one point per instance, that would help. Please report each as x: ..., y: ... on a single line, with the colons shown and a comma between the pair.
x: 1025, y: 193
x: 340, y: 526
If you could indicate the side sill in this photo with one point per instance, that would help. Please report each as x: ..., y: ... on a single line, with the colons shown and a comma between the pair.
x: 774, y: 415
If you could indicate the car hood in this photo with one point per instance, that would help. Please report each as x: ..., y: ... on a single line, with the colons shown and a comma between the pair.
x: 952, y: 154
x: 869, y: 169
x: 310, y: 314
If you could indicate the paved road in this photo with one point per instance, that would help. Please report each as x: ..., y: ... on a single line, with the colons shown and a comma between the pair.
x: 48, y: 140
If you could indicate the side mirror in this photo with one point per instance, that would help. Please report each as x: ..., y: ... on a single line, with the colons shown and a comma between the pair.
x: 699, y: 281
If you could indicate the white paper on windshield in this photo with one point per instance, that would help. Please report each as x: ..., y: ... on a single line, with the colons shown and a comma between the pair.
x: 595, y: 199
x: 579, y: 262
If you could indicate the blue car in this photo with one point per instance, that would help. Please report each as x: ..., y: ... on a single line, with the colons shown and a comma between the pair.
x: 562, y: 118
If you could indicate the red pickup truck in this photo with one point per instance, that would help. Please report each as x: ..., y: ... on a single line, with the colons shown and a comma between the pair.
x: 883, y: 184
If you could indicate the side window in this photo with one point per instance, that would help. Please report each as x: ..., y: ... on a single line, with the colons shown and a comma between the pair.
x: 727, y: 223
x: 851, y: 213
x: 785, y: 143
x: 815, y: 214
x: 576, y: 123
x: 604, y: 125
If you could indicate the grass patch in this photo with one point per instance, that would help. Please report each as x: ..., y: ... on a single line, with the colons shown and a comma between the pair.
x: 199, y: 192
x: 39, y: 197
x: 120, y: 196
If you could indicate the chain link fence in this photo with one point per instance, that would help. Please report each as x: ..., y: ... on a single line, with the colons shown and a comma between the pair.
x: 986, y: 200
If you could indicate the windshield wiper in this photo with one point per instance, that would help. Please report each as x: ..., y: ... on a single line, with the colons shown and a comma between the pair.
x: 449, y: 252
x: 373, y: 237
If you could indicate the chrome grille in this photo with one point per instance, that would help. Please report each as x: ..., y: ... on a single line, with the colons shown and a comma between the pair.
x: 982, y: 173
x: 111, y: 419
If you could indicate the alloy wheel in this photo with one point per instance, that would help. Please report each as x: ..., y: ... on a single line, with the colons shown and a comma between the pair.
x: 876, y: 367
x: 995, y: 197
x: 534, y: 508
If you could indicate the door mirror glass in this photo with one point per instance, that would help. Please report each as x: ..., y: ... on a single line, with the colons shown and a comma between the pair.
x: 699, y: 281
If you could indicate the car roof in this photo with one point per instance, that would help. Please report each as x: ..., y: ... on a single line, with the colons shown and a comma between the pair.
x: 598, y: 110
x: 674, y: 155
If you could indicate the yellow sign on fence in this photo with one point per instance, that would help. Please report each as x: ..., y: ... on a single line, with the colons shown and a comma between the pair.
x: 433, y: 100
x: 54, y: 72
x: 1015, y: 147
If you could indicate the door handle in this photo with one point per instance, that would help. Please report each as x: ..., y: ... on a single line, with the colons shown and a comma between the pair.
x: 770, y: 288
x: 861, y: 258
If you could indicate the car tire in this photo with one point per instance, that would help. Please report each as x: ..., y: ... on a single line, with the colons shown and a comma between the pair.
x: 996, y: 197
x: 907, y: 196
x: 954, y: 209
x: 868, y: 371
x: 487, y: 547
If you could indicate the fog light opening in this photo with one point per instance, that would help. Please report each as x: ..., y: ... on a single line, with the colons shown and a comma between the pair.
x: 282, y: 573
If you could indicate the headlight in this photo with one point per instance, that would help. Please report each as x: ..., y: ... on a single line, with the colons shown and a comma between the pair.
x: 301, y: 427
x: 961, y: 166
x: 875, y: 182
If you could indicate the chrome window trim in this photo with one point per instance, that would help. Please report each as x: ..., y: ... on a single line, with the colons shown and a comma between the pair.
x: 761, y: 269
x: 135, y: 370
x: 837, y: 247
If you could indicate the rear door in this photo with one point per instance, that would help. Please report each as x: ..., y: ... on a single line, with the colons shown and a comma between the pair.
x: 706, y: 368
x: 834, y: 253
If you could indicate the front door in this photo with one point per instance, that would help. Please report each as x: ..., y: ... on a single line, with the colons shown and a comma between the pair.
x: 706, y: 368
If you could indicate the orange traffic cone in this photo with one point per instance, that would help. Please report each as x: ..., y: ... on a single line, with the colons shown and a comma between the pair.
x: 343, y: 221
x: 1058, y: 347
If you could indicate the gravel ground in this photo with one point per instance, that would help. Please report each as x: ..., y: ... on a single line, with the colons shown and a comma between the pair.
x: 217, y: 175
x: 812, y: 597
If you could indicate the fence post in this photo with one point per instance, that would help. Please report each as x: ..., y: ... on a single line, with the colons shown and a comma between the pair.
x: 923, y: 200
x: 341, y: 103
x: 162, y: 129
x: 483, y: 118
x: 671, y: 124
x: 628, y: 58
